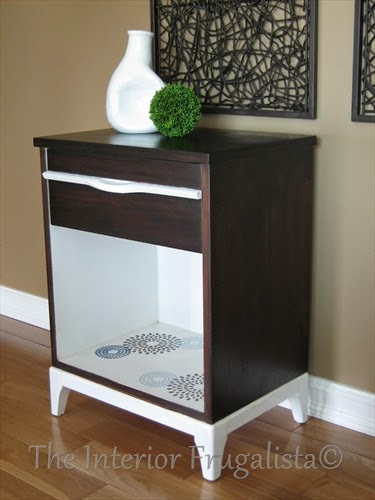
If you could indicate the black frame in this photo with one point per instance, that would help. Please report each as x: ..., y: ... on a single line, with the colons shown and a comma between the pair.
x: 364, y: 50
x: 305, y: 81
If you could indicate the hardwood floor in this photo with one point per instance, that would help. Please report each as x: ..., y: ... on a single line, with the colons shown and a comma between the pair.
x: 95, y: 451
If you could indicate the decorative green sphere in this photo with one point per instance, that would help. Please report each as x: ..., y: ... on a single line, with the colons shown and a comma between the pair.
x: 175, y: 110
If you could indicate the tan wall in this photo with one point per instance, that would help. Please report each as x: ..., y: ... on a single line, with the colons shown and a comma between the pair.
x: 57, y: 58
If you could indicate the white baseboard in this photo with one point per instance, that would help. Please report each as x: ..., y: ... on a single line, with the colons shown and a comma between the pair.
x: 341, y: 405
x: 24, y: 307
x: 330, y: 401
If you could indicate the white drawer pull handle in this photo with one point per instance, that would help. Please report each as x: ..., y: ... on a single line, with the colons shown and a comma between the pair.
x: 123, y: 187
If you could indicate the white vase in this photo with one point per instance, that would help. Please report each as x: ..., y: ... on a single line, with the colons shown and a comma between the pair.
x: 132, y: 86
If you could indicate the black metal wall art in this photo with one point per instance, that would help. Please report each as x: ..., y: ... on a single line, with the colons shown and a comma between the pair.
x: 363, y: 102
x: 255, y: 57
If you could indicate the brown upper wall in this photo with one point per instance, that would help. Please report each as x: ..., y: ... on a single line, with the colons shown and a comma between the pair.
x: 57, y: 59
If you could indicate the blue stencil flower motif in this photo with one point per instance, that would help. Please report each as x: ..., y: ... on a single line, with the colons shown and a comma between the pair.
x: 112, y: 351
x: 152, y: 343
x: 189, y: 387
x: 192, y: 342
x: 157, y: 379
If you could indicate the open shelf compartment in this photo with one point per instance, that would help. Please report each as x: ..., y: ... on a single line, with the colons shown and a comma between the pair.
x: 131, y: 313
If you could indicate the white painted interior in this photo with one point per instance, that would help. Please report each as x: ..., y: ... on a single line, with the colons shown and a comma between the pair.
x: 180, y: 287
x: 107, y: 289
x: 103, y: 287
x: 128, y: 370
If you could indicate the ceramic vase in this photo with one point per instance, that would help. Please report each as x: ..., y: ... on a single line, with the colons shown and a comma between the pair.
x: 132, y: 86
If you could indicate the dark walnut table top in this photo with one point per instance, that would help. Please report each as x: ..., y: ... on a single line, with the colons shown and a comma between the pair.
x: 202, y: 145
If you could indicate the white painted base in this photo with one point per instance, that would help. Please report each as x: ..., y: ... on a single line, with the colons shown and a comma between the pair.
x: 209, y: 439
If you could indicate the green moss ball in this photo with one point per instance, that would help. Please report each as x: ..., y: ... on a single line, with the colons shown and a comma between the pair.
x: 175, y: 110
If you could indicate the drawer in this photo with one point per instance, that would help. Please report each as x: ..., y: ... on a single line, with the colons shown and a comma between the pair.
x: 130, y: 168
x: 162, y: 219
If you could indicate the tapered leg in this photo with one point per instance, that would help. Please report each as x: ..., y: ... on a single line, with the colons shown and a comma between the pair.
x: 58, y: 394
x: 300, y: 402
x: 210, y: 443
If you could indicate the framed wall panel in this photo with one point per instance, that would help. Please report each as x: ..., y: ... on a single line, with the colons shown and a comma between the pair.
x: 363, y: 101
x: 253, y: 57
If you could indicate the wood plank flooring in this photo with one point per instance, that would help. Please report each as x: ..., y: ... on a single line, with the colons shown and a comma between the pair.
x: 95, y: 451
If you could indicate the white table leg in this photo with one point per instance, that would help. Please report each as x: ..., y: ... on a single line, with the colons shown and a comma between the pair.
x: 58, y: 394
x: 210, y: 443
x: 300, y: 402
